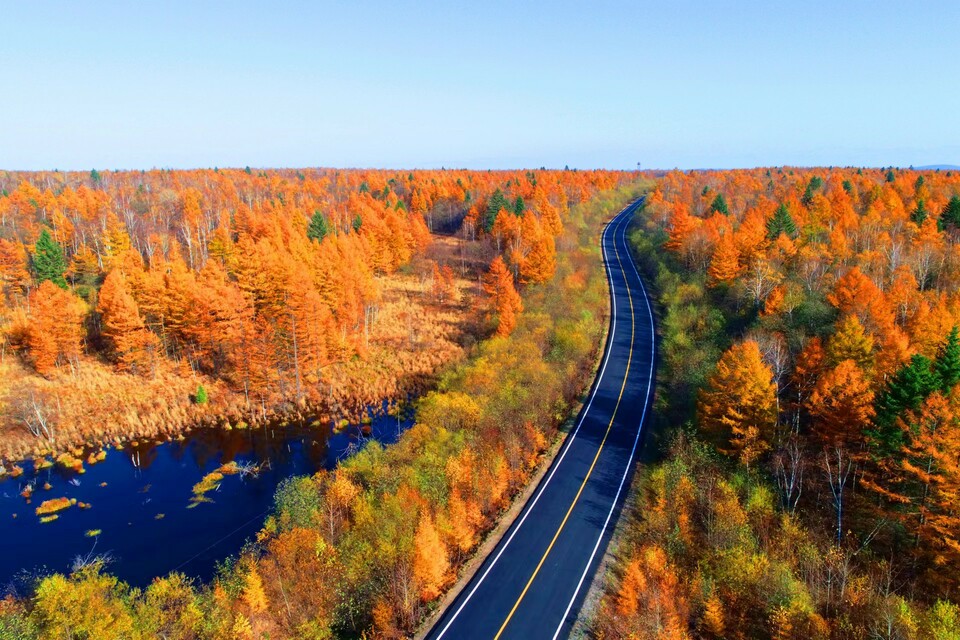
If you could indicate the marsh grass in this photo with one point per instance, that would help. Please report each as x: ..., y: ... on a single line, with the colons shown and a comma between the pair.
x: 53, y: 506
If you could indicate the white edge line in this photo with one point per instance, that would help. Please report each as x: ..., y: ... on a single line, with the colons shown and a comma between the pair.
x: 529, y: 507
x: 626, y: 471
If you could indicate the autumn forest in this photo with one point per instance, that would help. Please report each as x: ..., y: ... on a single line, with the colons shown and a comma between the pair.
x: 810, y: 363
x: 273, y: 291
x: 144, y: 305
x: 801, y: 469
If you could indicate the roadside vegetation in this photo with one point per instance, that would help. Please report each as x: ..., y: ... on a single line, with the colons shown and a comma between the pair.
x: 809, y: 371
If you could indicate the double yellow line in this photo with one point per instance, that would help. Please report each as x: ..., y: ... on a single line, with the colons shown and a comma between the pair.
x: 626, y: 374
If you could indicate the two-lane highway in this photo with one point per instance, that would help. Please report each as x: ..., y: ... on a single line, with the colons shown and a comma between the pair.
x: 533, y: 583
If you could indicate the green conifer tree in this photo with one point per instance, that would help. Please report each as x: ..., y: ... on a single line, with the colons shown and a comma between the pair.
x: 720, y: 204
x: 496, y: 203
x: 919, y: 214
x: 318, y: 227
x: 908, y: 388
x: 519, y: 207
x: 48, y: 260
x: 781, y: 222
x: 947, y: 365
x: 950, y: 216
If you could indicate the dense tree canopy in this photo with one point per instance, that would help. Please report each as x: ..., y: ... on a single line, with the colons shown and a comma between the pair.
x: 816, y: 313
x: 259, y: 279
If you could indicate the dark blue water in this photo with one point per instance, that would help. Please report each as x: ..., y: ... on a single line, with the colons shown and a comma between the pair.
x: 146, y: 527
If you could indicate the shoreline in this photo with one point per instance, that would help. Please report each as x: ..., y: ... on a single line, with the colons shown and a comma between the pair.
x: 307, y: 415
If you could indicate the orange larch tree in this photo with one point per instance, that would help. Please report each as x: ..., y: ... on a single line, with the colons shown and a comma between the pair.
x: 54, y: 333
x: 431, y: 563
x: 541, y: 261
x: 841, y: 402
x: 505, y: 301
x: 739, y: 403
x: 725, y: 265
x: 131, y: 345
x: 650, y: 603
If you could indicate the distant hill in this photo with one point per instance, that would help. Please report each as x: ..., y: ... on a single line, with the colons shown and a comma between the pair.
x: 939, y: 167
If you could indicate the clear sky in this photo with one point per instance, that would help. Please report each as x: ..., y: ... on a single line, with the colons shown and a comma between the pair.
x: 131, y: 85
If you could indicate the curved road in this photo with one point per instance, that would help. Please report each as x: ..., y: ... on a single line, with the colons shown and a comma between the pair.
x: 533, y: 583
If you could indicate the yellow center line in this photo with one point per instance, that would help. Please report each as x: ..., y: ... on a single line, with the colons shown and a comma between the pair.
x: 623, y: 386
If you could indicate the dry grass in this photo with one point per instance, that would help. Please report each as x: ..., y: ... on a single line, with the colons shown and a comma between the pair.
x: 93, y: 404
x: 48, y: 507
x: 412, y: 337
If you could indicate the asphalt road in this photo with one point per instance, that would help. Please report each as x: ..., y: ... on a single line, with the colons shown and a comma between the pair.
x: 533, y: 583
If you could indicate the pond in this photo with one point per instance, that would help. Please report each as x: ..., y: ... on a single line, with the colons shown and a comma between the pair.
x: 135, y: 505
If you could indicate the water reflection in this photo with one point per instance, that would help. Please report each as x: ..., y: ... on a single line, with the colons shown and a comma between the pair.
x: 140, y: 493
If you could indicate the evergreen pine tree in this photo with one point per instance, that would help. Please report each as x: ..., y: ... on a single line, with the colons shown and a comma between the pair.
x: 890, y: 176
x: 720, y: 204
x: 497, y: 201
x: 318, y: 227
x: 909, y: 387
x: 812, y: 187
x: 48, y: 261
x: 947, y: 364
x: 919, y: 214
x: 781, y: 222
x: 518, y: 206
x: 357, y: 222
x: 950, y: 216
x: 201, y: 396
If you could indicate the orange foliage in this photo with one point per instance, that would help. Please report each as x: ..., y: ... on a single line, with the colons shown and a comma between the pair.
x: 504, y: 299
x: 650, y: 602
x: 840, y: 403
x: 725, y: 265
x: 739, y: 403
x: 133, y: 347
x: 54, y: 330
x: 430, y: 562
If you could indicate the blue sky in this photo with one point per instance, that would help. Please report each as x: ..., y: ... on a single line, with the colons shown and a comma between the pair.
x: 131, y: 85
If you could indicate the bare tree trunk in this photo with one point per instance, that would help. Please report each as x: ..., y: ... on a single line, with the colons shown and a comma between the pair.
x: 837, y: 466
x: 789, y: 474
